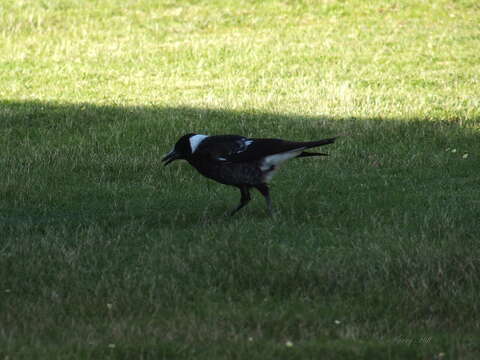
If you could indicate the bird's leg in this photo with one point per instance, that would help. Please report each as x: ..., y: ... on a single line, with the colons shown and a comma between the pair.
x: 243, y: 200
x: 264, y: 190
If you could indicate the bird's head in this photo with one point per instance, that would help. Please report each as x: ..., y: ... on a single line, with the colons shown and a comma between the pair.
x: 184, y: 148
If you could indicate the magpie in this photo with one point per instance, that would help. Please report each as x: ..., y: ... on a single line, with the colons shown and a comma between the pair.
x: 240, y: 161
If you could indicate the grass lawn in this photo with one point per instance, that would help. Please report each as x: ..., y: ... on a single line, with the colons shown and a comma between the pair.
x: 372, y: 253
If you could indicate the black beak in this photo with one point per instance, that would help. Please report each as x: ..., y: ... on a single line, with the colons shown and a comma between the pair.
x: 171, y: 156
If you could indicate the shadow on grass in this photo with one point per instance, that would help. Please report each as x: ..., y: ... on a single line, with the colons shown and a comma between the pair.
x: 78, y: 163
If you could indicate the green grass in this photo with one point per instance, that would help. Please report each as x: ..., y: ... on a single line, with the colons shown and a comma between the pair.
x: 373, y: 252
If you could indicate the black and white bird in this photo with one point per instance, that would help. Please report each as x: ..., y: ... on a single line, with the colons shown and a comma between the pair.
x: 240, y: 161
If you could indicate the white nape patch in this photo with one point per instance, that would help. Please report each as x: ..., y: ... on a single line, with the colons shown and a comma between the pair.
x: 195, y: 140
x: 248, y: 142
x: 272, y: 162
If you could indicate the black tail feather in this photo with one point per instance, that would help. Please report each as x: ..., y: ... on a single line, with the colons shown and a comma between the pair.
x: 305, y: 154
x: 311, y: 144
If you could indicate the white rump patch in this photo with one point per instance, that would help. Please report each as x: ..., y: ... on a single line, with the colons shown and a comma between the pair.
x: 277, y: 159
x: 272, y: 162
x: 195, y: 140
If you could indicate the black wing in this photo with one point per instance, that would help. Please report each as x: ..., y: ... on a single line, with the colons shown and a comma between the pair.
x: 222, y: 148
x: 235, y: 149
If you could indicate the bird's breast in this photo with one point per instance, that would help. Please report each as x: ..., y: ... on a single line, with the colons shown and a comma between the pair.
x: 231, y: 173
